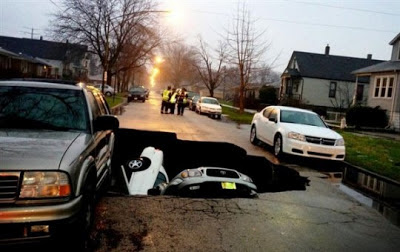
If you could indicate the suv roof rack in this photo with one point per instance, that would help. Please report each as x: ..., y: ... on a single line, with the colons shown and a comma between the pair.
x: 58, y: 81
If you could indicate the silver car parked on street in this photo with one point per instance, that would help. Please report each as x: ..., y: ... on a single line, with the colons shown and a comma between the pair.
x: 56, y: 145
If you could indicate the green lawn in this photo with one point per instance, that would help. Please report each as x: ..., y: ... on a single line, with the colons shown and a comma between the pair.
x: 234, y: 115
x: 379, y: 155
x: 114, y: 100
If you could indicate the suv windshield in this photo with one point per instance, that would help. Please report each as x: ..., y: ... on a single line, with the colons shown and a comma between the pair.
x: 42, y: 108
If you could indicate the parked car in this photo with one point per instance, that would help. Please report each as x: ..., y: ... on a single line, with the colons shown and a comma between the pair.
x: 144, y: 173
x: 137, y: 94
x: 108, y: 90
x: 192, y: 94
x: 147, y: 92
x: 193, y: 102
x: 209, y: 106
x: 56, y: 146
x: 210, y: 181
x: 297, y: 132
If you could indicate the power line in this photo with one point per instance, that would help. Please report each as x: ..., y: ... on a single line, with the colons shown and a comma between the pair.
x: 347, y: 8
x: 304, y: 23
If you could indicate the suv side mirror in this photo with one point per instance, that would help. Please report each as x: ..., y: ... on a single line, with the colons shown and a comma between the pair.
x: 106, y: 122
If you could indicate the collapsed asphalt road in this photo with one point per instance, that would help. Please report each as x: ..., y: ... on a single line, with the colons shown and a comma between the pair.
x: 315, y: 217
x: 287, y: 215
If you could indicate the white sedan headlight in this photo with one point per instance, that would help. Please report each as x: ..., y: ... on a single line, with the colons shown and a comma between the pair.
x: 340, y: 142
x: 45, y: 185
x: 296, y: 136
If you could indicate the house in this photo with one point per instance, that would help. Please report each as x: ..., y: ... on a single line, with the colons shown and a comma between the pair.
x: 14, y: 65
x: 384, y: 85
x: 322, y: 80
x: 63, y: 60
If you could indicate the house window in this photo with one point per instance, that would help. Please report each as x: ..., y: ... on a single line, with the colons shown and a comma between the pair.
x: 390, y: 87
x: 332, y: 89
x: 377, y: 87
x: 384, y: 87
x: 360, y: 92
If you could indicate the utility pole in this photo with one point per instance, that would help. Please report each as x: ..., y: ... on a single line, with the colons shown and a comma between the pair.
x: 31, y: 32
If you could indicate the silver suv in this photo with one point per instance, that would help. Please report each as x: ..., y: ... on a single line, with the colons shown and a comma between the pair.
x: 56, y: 144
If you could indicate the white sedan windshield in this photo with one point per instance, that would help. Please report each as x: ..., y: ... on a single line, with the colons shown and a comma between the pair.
x: 298, y: 117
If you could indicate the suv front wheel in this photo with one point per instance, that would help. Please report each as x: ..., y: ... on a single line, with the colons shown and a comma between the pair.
x: 86, y: 217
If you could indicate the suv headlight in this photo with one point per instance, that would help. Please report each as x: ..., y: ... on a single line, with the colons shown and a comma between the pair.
x: 246, y: 178
x: 191, y: 173
x: 340, y: 142
x: 45, y: 185
x: 296, y: 136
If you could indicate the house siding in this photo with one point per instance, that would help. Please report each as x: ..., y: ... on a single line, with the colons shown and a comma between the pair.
x: 396, y: 109
x: 316, y: 92
x: 395, y: 51
x: 387, y: 103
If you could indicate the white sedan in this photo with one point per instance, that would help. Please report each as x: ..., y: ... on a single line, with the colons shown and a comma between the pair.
x: 209, y: 106
x: 108, y: 90
x: 297, y: 132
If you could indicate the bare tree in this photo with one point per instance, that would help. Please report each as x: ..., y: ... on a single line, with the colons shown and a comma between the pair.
x: 106, y: 26
x: 265, y: 74
x: 245, y: 49
x: 342, y: 96
x: 178, y: 67
x: 135, y: 54
x: 211, y: 76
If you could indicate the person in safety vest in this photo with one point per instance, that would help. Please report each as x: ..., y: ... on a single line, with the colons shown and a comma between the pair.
x: 172, y: 100
x: 165, y: 99
x: 182, y: 101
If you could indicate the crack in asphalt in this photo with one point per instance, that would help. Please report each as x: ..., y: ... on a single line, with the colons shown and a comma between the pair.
x: 224, y: 209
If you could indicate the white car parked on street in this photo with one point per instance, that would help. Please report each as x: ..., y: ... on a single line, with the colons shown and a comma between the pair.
x: 108, y: 90
x: 209, y: 106
x: 297, y: 132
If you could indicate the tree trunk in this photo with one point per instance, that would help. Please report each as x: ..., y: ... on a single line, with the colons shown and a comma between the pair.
x: 241, y: 92
x: 211, y: 92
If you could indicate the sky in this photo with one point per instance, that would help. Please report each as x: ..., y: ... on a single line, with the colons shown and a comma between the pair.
x: 352, y: 28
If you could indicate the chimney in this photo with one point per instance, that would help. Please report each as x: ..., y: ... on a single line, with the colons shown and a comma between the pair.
x: 369, y: 56
x: 327, y: 49
x: 41, y: 37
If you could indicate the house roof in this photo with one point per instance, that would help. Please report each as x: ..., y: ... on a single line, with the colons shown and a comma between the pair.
x: 395, y: 39
x: 41, y: 48
x: 22, y: 57
x: 387, y: 66
x: 330, y: 67
x: 8, y: 53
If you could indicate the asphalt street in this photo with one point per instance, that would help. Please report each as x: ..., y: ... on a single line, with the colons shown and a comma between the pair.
x: 322, y: 217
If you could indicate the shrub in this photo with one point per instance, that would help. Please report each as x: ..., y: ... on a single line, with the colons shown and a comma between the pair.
x: 359, y: 116
x: 268, y: 95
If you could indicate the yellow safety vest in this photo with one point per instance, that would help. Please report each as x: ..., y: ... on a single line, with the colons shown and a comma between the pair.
x: 173, y: 98
x: 165, y: 95
x: 184, y: 98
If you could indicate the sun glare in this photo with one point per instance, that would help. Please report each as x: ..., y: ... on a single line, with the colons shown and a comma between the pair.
x: 176, y: 13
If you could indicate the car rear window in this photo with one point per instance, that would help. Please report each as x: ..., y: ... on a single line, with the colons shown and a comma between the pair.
x: 42, y: 108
